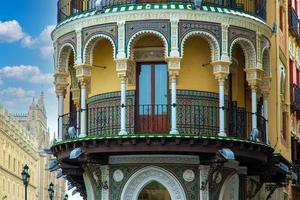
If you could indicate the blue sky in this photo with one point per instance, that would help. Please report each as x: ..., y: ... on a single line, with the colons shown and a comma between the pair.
x: 26, y: 58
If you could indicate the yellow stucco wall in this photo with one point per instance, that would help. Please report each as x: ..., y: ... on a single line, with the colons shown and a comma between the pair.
x: 104, y: 80
x: 195, y: 73
x: 238, y: 77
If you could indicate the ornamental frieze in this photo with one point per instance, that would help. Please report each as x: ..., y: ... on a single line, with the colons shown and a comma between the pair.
x: 161, y: 26
x: 238, y: 32
x: 188, y: 26
x: 67, y: 38
x: 110, y: 30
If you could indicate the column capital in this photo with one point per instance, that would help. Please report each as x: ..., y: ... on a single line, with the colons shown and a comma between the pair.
x: 265, y: 85
x: 122, y: 67
x: 83, y: 73
x: 76, y: 96
x: 221, y: 69
x: 61, y: 82
x: 253, y: 76
x: 173, y: 66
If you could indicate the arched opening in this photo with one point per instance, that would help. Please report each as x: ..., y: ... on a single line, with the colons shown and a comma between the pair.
x: 152, y: 89
x: 266, y: 63
x: 197, y: 88
x: 196, y: 73
x: 154, y: 191
x: 66, y: 64
x: 145, y: 176
x: 104, y: 76
x: 238, y: 95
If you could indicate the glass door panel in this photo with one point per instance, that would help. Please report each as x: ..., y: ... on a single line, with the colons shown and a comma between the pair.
x: 152, y: 98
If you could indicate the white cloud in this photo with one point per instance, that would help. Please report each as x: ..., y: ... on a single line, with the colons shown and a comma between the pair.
x: 28, y: 73
x: 51, y: 91
x: 17, y: 92
x: 43, y: 42
x: 10, y: 31
x: 16, y: 99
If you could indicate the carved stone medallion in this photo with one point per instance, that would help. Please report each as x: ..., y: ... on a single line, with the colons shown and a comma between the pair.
x: 188, y: 175
x: 118, y: 175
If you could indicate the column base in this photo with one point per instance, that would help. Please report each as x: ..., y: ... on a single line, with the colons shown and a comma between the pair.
x: 174, y: 132
x: 82, y: 135
x: 123, y: 132
x: 254, y: 135
x: 222, y: 134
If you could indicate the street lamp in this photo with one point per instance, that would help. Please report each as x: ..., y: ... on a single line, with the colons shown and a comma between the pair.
x: 25, y: 178
x: 66, y: 197
x: 51, y: 190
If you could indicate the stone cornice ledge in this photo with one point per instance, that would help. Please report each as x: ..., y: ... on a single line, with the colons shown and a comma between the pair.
x: 195, y: 15
x: 150, y: 159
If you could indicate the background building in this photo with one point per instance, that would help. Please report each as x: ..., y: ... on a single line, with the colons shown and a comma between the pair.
x: 294, y: 65
x: 24, y: 137
x: 159, y: 91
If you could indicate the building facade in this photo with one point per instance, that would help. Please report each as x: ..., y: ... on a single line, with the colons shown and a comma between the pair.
x: 174, y: 99
x: 294, y: 60
x: 17, y: 149
x: 24, y: 137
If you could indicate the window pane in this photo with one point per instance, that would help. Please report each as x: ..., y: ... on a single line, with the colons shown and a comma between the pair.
x: 145, y: 89
x: 161, y: 88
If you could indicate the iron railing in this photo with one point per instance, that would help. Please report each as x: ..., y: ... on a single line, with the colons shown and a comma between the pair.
x: 68, y: 8
x: 296, y: 170
x: 68, y: 120
x: 156, y: 119
x: 294, y: 23
x: 295, y: 94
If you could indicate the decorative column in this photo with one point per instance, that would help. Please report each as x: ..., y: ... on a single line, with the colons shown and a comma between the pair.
x: 253, y: 79
x: 76, y: 100
x: 221, y: 71
x: 265, y: 89
x: 122, y: 69
x: 83, y: 75
x: 173, y: 69
x: 174, y: 38
x: 78, y: 56
x: 61, y: 83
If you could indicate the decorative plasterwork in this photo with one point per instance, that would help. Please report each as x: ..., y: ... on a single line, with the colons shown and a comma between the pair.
x: 210, y: 31
x: 148, y: 174
x: 148, y: 54
x: 148, y: 159
x: 134, y: 29
x: 64, y: 56
x: 213, y: 43
x: 90, y: 44
x: 239, y: 32
x: 248, y: 48
x: 61, y: 83
x: 68, y: 37
x: 165, y: 15
x: 109, y: 30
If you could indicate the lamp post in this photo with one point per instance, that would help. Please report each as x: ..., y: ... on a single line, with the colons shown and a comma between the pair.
x: 66, y: 197
x: 25, y: 178
x: 51, y: 190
